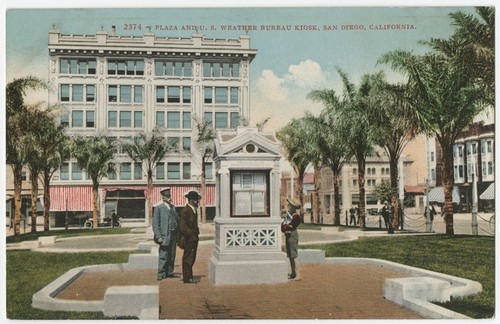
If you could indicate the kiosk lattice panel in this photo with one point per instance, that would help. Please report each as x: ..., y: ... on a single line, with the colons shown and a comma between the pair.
x: 251, y: 237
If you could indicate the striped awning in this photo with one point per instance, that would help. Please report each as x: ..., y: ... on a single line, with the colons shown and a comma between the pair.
x: 489, y: 193
x: 437, y: 195
x: 79, y: 198
x: 69, y: 198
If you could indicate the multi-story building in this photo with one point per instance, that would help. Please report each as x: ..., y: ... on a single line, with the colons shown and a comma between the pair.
x: 125, y: 85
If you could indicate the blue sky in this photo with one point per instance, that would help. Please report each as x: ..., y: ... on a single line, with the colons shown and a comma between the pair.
x: 288, y: 64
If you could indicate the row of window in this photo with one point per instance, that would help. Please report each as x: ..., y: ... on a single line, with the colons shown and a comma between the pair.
x: 372, y: 171
x: 472, y: 148
x: 487, y: 169
x: 79, y: 118
x: 136, y: 67
x: 134, y: 171
x: 134, y: 94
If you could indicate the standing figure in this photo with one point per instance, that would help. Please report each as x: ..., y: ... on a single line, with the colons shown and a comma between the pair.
x: 289, y: 227
x: 188, y: 235
x: 385, y: 214
x: 165, y: 227
x: 352, y: 218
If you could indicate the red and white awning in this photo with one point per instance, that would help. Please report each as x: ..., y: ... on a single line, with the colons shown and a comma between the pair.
x: 79, y: 198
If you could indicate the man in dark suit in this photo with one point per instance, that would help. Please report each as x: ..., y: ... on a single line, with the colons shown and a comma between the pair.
x: 189, y: 232
x: 165, y: 227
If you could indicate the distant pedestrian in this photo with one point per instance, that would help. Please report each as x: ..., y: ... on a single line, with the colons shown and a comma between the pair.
x: 289, y: 226
x: 165, y: 228
x: 432, y: 212
x: 188, y: 235
x: 385, y: 214
x: 352, y: 218
x: 114, y: 218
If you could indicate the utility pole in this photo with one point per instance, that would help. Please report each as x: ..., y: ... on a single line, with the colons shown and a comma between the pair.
x: 474, y: 197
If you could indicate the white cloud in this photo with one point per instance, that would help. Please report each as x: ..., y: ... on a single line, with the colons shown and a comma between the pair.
x: 270, y: 86
x: 284, y: 97
x: 307, y: 74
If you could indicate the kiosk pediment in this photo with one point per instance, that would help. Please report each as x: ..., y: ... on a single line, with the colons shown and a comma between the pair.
x: 246, y: 141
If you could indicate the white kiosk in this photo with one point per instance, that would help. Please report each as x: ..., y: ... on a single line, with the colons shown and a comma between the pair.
x: 247, y: 223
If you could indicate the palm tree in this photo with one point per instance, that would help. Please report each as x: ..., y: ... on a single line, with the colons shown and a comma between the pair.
x: 16, y: 150
x: 149, y: 149
x: 332, y: 140
x: 447, y: 100
x: 294, y: 139
x: 205, y: 135
x: 93, y: 155
x: 352, y: 109
x: 472, y: 48
x: 390, y: 111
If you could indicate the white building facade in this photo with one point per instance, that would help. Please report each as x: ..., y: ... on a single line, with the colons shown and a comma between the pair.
x: 125, y: 85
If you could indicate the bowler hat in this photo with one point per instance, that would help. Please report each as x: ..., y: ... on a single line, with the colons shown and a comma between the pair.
x: 192, y: 195
x: 294, y: 202
x: 164, y: 191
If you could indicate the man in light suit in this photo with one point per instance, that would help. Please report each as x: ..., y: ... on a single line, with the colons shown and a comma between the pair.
x: 165, y: 227
x: 189, y: 232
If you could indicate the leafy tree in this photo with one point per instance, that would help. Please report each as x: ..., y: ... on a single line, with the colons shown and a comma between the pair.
x: 447, y: 100
x: 384, y: 191
x: 93, y: 155
x: 17, y: 116
x: 149, y: 149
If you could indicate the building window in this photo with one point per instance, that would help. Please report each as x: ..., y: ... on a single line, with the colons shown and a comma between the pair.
x: 489, y: 146
x: 432, y: 156
x: 234, y: 95
x: 207, y: 117
x: 125, y: 93
x: 217, y: 70
x: 186, y: 170
x: 137, y: 171
x: 76, y: 172
x: 209, y: 174
x: 160, y: 171
x: 490, y: 167
x: 64, y: 171
x: 77, y: 66
x: 207, y: 94
x: 174, y: 94
x: 249, y: 193
x: 186, y: 120
x: 483, y: 168
x: 173, y: 142
x: 460, y: 151
x: 173, y: 120
x: 127, y: 119
x: 173, y: 170
x: 461, y: 171
x: 221, y: 120
x: 433, y: 175
x: 125, y: 171
x: 160, y: 119
x: 77, y: 93
x: 173, y: 68
x: 186, y: 144
x: 126, y: 67
x: 221, y: 95
x: 235, y: 119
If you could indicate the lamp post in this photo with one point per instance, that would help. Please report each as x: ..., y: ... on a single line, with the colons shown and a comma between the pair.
x: 474, y: 197
x: 428, y: 222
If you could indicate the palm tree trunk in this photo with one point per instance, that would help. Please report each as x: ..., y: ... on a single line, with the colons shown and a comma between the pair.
x: 448, y: 183
x: 18, y: 181
x: 46, y: 200
x: 336, y: 198
x: 149, y: 197
x: 95, y: 202
x: 315, y: 201
x: 203, y: 195
x: 34, y: 194
x: 393, y: 165
x: 362, y: 200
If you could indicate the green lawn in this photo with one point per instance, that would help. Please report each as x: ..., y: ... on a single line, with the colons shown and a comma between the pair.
x: 470, y: 257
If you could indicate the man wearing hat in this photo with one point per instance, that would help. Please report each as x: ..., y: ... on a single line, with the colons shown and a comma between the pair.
x: 289, y: 227
x: 165, y: 227
x: 188, y: 235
